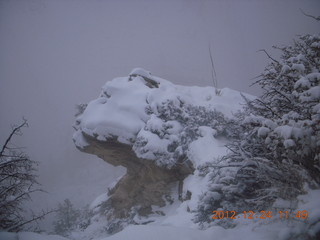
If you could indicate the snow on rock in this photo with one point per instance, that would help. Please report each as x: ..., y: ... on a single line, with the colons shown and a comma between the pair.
x: 140, y: 72
x: 128, y: 109
x: 79, y: 139
x: 122, y: 115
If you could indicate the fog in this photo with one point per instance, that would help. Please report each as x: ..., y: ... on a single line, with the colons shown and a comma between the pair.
x: 56, y: 54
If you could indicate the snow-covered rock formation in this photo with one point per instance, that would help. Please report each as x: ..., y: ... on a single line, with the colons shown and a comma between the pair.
x: 160, y: 132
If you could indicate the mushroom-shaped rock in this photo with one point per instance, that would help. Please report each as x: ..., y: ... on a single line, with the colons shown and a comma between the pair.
x: 120, y: 128
x: 159, y: 134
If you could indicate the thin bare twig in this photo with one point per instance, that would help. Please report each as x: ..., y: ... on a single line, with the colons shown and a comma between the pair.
x: 213, y: 73
x: 263, y: 50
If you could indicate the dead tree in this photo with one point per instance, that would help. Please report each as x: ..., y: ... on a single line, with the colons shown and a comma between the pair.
x: 17, y: 183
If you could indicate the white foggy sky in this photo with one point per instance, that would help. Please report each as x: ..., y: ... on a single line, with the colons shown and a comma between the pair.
x: 55, y: 54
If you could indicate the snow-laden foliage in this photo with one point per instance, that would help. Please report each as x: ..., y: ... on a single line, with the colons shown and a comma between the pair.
x: 276, y: 141
x: 290, y: 106
x: 69, y: 219
x: 169, y: 131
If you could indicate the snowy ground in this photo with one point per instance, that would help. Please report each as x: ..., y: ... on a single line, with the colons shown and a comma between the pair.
x: 178, y: 226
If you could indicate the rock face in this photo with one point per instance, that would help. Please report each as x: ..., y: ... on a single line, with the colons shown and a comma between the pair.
x: 145, y: 183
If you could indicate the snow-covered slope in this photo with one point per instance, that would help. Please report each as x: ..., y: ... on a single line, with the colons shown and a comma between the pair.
x: 250, y: 229
x: 274, y: 229
x: 29, y: 236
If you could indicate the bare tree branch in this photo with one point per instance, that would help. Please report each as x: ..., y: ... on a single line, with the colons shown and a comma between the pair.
x: 14, y: 131
x: 33, y: 219
x: 263, y: 50
x: 311, y: 16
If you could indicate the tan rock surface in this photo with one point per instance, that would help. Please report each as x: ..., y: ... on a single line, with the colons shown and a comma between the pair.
x: 145, y: 183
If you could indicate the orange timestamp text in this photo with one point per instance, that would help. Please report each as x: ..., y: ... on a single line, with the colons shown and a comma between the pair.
x: 260, y: 215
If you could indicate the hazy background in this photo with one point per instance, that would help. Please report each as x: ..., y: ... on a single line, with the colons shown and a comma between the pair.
x: 55, y: 54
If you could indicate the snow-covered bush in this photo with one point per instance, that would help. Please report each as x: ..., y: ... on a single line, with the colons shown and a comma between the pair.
x: 170, y: 130
x: 289, y: 108
x: 104, y: 213
x: 276, y: 139
x: 69, y: 219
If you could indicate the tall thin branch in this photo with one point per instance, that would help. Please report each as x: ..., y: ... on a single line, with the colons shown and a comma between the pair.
x: 213, y: 73
x: 308, y: 15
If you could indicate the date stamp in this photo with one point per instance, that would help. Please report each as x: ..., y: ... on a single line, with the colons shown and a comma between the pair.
x: 303, y: 214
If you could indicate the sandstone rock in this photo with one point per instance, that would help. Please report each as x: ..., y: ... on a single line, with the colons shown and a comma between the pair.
x: 145, y: 183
